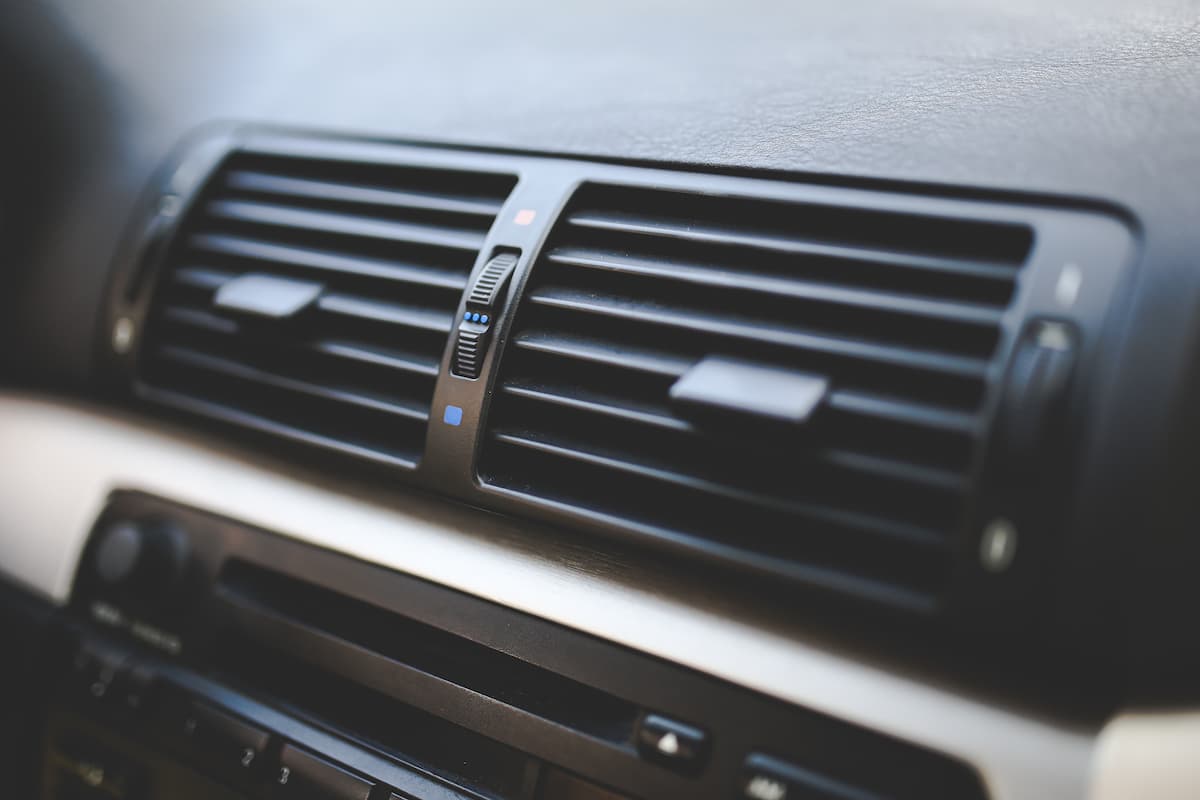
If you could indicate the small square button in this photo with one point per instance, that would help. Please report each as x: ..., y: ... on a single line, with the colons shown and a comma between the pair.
x: 452, y: 415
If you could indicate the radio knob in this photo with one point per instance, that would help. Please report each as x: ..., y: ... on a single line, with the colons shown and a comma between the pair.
x: 145, y: 559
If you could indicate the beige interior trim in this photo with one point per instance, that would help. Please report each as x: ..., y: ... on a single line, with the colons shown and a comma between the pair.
x: 1155, y: 755
x: 59, y: 461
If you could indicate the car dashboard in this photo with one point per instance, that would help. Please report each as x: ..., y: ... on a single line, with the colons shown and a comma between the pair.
x: 629, y: 402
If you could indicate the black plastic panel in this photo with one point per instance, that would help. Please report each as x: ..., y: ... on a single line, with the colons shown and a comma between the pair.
x: 419, y: 686
x: 899, y: 316
x: 23, y: 624
x: 944, y: 285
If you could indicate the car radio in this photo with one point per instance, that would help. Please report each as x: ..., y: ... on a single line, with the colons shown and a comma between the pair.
x: 205, y: 658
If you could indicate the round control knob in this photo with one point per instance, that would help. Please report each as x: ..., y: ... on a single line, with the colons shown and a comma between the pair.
x: 144, y: 558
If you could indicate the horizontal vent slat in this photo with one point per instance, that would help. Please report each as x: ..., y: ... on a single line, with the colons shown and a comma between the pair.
x: 858, y: 405
x: 904, y: 412
x: 647, y: 312
x: 343, y: 224
x: 199, y: 319
x: 266, y: 183
x: 647, y: 352
x: 391, y: 313
x: 717, y: 236
x: 426, y: 366
x: 266, y: 424
x: 903, y: 472
x: 675, y: 536
x: 589, y: 350
x: 597, y: 407
x: 695, y: 274
x: 394, y: 360
x: 334, y: 263
x: 908, y: 533
x: 231, y: 368
x: 201, y: 277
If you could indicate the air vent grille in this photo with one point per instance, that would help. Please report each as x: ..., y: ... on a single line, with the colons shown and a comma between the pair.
x: 386, y: 251
x: 902, y: 314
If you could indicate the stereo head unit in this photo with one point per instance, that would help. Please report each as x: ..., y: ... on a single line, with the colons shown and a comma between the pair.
x: 211, y: 659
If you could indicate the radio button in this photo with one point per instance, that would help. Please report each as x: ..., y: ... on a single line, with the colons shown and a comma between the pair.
x: 768, y: 778
x: 96, y: 670
x: 138, y: 689
x: 674, y: 744
x: 224, y: 742
x: 305, y: 776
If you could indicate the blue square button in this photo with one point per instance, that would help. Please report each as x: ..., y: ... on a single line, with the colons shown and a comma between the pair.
x: 452, y: 416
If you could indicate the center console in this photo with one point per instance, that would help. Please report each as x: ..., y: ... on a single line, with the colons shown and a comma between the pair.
x: 201, y: 657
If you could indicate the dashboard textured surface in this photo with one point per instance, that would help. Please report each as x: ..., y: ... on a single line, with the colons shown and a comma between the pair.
x: 1009, y: 94
x: 1089, y: 98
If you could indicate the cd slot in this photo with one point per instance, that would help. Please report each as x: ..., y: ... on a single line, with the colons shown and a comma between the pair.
x: 419, y: 665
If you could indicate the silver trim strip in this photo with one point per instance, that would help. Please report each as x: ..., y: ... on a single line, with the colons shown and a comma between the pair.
x: 59, y: 461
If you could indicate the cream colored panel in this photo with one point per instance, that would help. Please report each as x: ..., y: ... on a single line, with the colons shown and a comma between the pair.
x: 58, y: 462
x: 1149, y: 755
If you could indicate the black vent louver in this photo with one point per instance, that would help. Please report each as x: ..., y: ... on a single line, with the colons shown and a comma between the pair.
x: 899, y: 314
x: 378, y: 255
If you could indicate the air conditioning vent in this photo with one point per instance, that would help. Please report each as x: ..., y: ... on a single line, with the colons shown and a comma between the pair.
x: 896, y: 319
x: 312, y: 299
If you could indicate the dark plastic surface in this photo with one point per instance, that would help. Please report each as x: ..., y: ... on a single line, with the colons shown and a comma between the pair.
x: 312, y: 298
x: 521, y: 693
x: 307, y: 776
x: 909, y: 302
x: 23, y: 630
x: 226, y: 745
x: 1097, y: 100
x: 146, y: 558
x: 1031, y: 414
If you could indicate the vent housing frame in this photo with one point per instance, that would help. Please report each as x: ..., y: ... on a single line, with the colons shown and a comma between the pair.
x: 905, y: 313
x: 1091, y: 239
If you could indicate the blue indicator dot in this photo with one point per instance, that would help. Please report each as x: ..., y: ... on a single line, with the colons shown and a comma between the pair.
x: 467, y: 316
x: 452, y: 415
x: 483, y: 318
x: 474, y: 318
